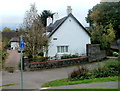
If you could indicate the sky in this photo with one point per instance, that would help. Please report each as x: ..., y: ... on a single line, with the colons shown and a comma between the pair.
x: 12, y: 12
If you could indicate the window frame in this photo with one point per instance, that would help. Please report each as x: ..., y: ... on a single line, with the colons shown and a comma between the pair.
x: 62, y: 49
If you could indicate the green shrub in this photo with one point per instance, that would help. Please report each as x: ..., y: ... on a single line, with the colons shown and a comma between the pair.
x: 100, y: 72
x: 10, y: 69
x: 111, y: 68
x: 41, y: 54
x: 39, y: 59
x: 81, y: 73
x: 116, y: 54
x: 4, y: 55
x: 66, y: 56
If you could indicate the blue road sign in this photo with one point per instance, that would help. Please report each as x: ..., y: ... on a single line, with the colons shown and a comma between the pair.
x: 22, y: 45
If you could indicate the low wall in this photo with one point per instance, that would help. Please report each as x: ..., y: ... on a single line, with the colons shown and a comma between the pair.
x: 56, y: 63
x: 94, y: 52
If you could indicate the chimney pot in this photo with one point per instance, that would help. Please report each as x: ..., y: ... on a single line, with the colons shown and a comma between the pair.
x: 69, y: 10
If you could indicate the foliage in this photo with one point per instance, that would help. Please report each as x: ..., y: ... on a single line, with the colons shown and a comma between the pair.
x: 116, y: 54
x: 65, y: 81
x: 104, y: 14
x: 66, y: 56
x: 81, y: 73
x: 103, y: 36
x: 6, y: 85
x: 44, y: 15
x: 6, y: 29
x: 110, y: 68
x: 38, y: 59
x: 10, y: 69
x: 4, y: 55
x: 34, y: 33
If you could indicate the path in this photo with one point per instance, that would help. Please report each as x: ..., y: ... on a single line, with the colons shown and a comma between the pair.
x: 13, y: 59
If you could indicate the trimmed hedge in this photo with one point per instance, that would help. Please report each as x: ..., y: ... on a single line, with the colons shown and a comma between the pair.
x: 57, y: 63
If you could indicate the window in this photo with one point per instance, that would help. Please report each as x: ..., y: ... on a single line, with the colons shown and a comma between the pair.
x: 62, y: 49
x: 54, y: 38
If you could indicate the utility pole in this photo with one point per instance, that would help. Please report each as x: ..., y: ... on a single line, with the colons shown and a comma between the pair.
x: 21, y: 60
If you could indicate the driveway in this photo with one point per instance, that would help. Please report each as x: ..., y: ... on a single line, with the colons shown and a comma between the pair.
x: 34, y: 80
x: 13, y: 59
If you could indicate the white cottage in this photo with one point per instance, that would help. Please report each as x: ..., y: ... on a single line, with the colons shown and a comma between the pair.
x: 14, y: 42
x: 67, y: 36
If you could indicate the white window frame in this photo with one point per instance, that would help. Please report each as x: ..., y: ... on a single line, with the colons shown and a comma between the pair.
x: 62, y: 49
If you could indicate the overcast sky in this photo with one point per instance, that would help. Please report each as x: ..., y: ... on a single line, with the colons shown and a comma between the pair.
x: 12, y: 12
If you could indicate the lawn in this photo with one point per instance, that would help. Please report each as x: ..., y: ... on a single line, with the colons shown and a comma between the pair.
x: 81, y: 90
x: 64, y: 82
x: 6, y: 85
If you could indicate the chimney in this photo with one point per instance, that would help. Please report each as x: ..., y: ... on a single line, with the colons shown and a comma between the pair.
x: 55, y: 17
x: 49, y: 20
x: 69, y: 10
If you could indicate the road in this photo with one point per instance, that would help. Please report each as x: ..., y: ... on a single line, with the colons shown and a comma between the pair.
x: 34, y: 80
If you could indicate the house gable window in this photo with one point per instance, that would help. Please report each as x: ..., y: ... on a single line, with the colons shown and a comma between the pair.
x: 62, y: 49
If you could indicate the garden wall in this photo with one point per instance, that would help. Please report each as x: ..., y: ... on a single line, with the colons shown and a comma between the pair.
x: 94, y: 52
x: 54, y: 63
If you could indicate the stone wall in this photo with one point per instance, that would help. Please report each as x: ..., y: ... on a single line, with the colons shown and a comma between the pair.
x: 54, y: 63
x: 94, y: 52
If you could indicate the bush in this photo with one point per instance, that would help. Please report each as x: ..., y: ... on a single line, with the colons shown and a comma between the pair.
x: 10, y: 69
x: 4, y: 55
x: 110, y: 68
x: 116, y: 54
x: 113, y: 67
x: 66, y: 56
x: 81, y: 73
x: 41, y: 54
x: 100, y: 72
x: 39, y: 59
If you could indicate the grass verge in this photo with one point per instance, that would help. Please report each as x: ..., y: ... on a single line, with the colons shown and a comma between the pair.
x: 65, y: 81
x: 81, y: 90
x: 6, y: 85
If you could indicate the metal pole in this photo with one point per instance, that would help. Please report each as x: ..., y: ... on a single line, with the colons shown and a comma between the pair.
x: 21, y: 67
x: 119, y: 52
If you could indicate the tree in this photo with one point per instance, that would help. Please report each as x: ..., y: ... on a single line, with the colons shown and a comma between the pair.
x: 34, y: 32
x: 6, y: 29
x: 103, y: 36
x: 104, y: 14
x: 44, y: 15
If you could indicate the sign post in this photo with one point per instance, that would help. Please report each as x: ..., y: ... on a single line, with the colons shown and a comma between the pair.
x: 21, y: 60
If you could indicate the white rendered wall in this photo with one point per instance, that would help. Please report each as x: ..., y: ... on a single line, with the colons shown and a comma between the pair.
x: 14, y: 45
x: 72, y: 35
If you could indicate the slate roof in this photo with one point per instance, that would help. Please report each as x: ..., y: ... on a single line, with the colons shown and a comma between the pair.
x: 56, y: 24
x: 53, y: 27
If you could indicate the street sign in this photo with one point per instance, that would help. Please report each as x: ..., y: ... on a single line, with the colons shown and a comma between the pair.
x: 22, y: 45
